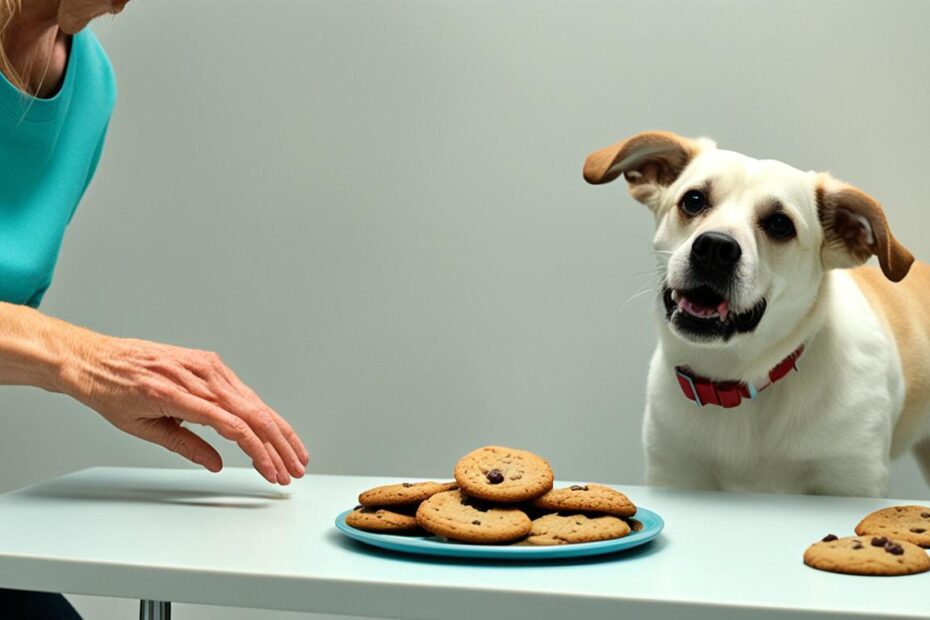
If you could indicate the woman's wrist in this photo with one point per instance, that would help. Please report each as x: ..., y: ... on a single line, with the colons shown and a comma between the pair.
x: 77, y: 358
x: 41, y: 351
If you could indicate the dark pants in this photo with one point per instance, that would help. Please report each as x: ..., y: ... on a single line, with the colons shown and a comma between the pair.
x: 23, y: 605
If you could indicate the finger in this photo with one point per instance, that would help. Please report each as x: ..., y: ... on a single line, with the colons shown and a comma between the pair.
x: 291, y: 436
x: 265, y: 426
x: 247, y: 405
x: 287, y: 431
x: 199, y: 411
x: 211, y: 383
x: 283, y: 477
x: 168, y: 433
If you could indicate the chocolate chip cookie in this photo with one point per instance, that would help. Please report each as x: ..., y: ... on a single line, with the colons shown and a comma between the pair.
x: 381, y: 520
x: 500, y: 474
x: 587, y: 498
x: 867, y: 555
x: 563, y: 529
x: 910, y: 523
x: 456, y: 516
x: 404, y: 493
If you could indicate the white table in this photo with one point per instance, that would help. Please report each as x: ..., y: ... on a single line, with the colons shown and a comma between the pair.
x: 230, y: 539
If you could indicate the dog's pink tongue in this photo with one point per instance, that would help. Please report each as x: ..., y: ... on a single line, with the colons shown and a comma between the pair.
x: 686, y: 305
x: 723, y: 309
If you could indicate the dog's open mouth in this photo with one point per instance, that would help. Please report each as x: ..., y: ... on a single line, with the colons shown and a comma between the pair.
x: 702, y: 303
x: 704, y: 313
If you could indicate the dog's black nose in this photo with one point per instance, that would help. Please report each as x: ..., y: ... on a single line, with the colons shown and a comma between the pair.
x: 713, y: 251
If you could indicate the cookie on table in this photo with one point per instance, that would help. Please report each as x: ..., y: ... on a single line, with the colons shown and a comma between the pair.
x: 500, y: 474
x: 381, y: 520
x: 403, y: 493
x: 587, y: 498
x: 910, y: 523
x: 867, y: 555
x: 455, y: 516
x: 565, y: 529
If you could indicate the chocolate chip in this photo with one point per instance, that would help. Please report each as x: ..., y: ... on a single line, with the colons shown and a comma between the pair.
x: 406, y: 485
x: 879, y: 541
x: 476, y: 522
x: 578, y: 487
x: 894, y: 549
x: 467, y: 501
x: 495, y: 476
x: 918, y: 530
x: 829, y: 538
x: 857, y: 545
x: 925, y: 515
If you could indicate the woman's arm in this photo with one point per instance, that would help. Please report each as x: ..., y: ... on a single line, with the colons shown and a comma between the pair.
x: 148, y: 389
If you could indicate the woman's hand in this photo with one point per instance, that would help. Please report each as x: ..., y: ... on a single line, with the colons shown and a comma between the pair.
x: 149, y: 390
x: 74, y: 15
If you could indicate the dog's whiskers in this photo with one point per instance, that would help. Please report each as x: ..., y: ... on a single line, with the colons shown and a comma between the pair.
x: 652, y: 285
x: 638, y: 295
x: 654, y: 251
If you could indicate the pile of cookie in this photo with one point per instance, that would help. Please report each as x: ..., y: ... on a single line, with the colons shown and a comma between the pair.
x: 890, y: 541
x: 500, y: 496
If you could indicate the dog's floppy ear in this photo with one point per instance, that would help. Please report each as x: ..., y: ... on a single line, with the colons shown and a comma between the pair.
x: 855, y: 228
x: 650, y: 160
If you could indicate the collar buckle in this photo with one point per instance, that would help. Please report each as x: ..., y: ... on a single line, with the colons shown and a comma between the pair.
x: 687, y: 386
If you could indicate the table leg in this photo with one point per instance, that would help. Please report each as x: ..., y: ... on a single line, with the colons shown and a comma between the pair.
x: 154, y: 610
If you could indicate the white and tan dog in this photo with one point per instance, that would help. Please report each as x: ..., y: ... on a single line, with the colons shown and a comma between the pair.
x: 754, y: 256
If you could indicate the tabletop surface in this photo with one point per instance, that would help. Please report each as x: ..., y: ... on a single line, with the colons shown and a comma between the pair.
x: 231, y: 539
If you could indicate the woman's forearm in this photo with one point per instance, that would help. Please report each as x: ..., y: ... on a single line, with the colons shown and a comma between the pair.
x: 146, y: 389
x: 34, y: 348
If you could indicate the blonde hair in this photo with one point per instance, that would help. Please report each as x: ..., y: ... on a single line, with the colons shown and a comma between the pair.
x: 8, y: 10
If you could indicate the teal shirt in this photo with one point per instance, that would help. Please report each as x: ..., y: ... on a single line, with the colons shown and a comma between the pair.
x: 49, y: 149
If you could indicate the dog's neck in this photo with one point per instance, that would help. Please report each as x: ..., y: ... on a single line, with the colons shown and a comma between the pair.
x: 749, y: 358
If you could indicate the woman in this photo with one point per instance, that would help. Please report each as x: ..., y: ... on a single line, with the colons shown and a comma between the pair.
x: 57, y: 92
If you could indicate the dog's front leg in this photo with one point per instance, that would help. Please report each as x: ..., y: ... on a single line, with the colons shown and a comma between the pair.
x: 662, y: 472
x: 669, y: 464
x: 860, y: 475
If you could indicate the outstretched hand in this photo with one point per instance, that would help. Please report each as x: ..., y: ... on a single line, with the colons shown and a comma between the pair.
x: 150, y: 390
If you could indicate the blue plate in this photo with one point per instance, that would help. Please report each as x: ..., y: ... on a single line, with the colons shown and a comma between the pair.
x: 435, y: 545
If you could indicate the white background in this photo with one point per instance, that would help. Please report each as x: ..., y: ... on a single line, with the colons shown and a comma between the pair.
x: 374, y: 211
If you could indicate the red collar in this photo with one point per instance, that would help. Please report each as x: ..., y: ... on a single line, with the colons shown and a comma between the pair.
x: 727, y: 394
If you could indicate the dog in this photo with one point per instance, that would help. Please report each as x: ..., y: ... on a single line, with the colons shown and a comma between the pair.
x: 783, y: 365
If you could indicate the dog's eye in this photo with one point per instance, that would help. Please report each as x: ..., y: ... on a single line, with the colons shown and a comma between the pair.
x: 778, y: 226
x: 693, y: 202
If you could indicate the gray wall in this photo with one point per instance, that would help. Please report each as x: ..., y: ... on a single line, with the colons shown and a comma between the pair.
x: 374, y: 210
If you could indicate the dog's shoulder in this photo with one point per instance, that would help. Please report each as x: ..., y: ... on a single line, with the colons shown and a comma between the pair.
x: 903, y: 308
x: 902, y: 304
